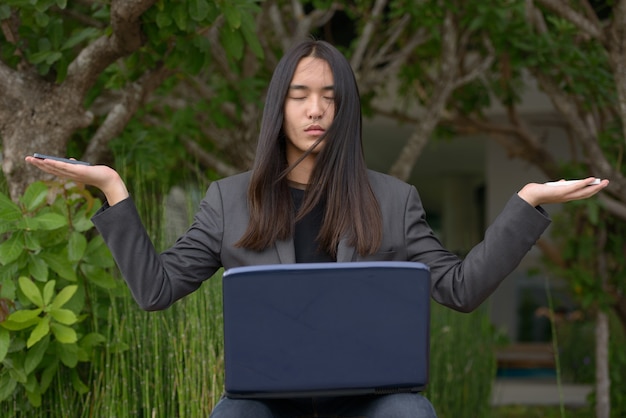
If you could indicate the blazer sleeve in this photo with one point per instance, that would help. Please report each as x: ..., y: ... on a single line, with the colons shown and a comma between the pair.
x: 463, y: 284
x: 156, y: 280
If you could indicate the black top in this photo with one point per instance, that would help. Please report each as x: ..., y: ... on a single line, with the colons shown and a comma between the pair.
x: 306, y: 231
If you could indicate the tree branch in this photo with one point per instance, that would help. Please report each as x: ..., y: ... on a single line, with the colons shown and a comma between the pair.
x: 581, y: 22
x: 570, y: 112
x: 278, y: 25
x: 81, y: 18
x: 208, y: 159
x: 314, y: 19
x: 394, y: 32
x: 479, y: 68
x: 616, y: 46
x: 434, y: 110
x: 394, y: 62
x: 366, y: 34
x: 126, y: 38
x: 134, y: 95
x: 613, y: 206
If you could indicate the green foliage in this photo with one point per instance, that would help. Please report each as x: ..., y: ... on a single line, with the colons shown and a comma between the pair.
x: 49, y: 40
x: 586, y: 221
x: 462, y: 362
x: 52, y: 32
x: 52, y: 274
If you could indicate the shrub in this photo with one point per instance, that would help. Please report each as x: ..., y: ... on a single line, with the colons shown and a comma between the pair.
x: 53, y: 275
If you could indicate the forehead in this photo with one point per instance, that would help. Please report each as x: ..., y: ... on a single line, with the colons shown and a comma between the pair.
x: 312, y: 72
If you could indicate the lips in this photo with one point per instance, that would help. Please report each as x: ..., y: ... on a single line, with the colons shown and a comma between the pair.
x: 314, y: 129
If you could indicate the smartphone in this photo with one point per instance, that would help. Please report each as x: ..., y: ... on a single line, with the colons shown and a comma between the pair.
x: 65, y: 160
x: 568, y: 182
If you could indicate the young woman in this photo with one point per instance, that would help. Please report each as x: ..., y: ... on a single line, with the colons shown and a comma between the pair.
x: 310, y: 198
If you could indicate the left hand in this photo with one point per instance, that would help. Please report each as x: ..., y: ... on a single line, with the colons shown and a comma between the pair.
x: 537, y: 194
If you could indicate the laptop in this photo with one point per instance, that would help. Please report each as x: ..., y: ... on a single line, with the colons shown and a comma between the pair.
x: 326, y: 329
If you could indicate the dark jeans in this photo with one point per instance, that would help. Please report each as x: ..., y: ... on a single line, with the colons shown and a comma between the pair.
x: 400, y: 405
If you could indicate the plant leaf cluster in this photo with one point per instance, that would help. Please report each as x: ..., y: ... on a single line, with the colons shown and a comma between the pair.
x: 54, y: 275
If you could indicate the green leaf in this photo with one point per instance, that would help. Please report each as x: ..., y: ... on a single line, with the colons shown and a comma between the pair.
x: 8, y: 289
x: 82, y: 224
x: 37, y: 268
x: 11, y: 249
x: 64, y: 296
x: 35, y: 355
x: 47, y: 375
x: 31, y: 291
x: 76, y: 246
x: 247, y: 28
x: 48, y: 292
x: 54, y: 30
x: 180, y: 16
x: 64, y: 316
x: 35, y: 195
x: 92, y: 339
x: 198, y: 9
x: 18, y: 326
x: 5, y: 12
x: 17, y: 371
x: 41, y: 330
x: 118, y: 347
x: 49, y: 221
x: 163, y: 19
x: 78, y: 384
x: 53, y: 57
x: 34, y: 397
x: 7, y: 386
x: 63, y: 334
x: 232, y: 41
x: 59, y: 263
x: 9, y: 211
x: 5, y: 341
x: 68, y: 354
x: 79, y: 37
x: 42, y: 19
x: 232, y: 14
x: 31, y: 241
x: 98, y: 276
x: 32, y: 391
x: 98, y: 254
x: 62, y: 4
x: 25, y: 315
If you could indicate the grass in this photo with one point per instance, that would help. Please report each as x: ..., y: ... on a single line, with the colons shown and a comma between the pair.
x: 527, y: 411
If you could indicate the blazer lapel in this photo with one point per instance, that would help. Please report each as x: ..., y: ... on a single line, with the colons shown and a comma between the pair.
x: 286, y: 251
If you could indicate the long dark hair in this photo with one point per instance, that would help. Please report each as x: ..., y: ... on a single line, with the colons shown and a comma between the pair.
x: 339, y: 179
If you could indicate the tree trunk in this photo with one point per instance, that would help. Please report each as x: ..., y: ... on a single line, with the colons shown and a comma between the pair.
x: 37, y: 115
x: 43, y: 117
x: 603, y: 379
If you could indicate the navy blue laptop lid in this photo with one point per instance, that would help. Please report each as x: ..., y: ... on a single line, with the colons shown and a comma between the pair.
x: 323, y: 329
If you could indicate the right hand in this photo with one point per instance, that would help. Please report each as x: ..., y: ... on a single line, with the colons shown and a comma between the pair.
x: 100, y: 176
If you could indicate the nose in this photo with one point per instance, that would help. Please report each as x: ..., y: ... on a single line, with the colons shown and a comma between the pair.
x: 316, y: 109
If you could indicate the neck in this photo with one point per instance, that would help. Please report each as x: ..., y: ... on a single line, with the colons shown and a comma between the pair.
x: 301, y: 173
x: 295, y: 185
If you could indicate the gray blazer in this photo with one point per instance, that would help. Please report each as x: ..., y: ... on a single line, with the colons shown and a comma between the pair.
x: 158, y: 280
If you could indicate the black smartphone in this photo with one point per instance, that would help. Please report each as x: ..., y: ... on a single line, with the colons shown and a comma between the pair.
x: 65, y: 160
